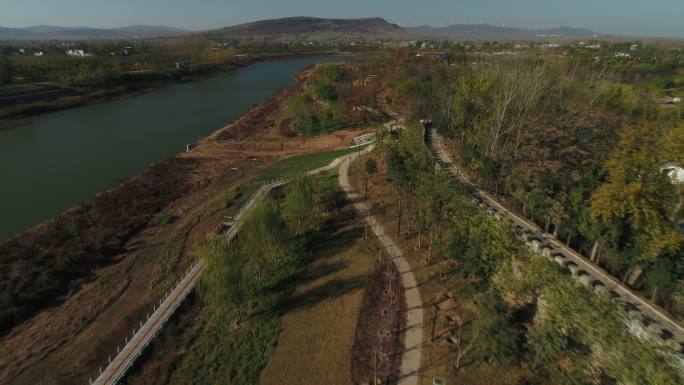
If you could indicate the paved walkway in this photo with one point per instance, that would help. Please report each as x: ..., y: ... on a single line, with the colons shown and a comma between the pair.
x: 116, y: 367
x: 413, y: 339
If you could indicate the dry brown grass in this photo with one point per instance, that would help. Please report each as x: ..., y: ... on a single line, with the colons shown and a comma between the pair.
x: 66, y: 342
x: 315, y: 343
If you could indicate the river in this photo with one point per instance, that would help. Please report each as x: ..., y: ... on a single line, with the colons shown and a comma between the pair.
x: 63, y: 158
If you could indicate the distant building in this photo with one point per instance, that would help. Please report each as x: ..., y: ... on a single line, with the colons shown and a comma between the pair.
x: 593, y: 46
x: 669, y: 100
x: 39, y: 53
x: 127, y: 51
x: 634, y: 47
x: 623, y: 55
x: 76, y: 52
x: 673, y: 171
x: 549, y: 46
x: 370, y: 79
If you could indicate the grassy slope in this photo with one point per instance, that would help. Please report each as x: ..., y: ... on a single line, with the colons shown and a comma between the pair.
x: 315, y: 344
x: 303, y: 163
x: 200, y: 348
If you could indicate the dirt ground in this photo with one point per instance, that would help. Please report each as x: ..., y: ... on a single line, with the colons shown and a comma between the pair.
x: 379, y: 338
x: 72, y: 331
x: 439, y: 354
x: 317, y: 331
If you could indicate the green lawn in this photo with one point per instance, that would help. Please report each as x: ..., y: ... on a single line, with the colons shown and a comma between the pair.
x: 220, y: 353
x: 302, y: 163
x: 290, y: 166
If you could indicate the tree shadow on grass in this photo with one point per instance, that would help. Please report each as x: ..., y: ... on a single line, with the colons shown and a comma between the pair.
x: 313, y: 273
x: 329, y: 290
x: 328, y: 244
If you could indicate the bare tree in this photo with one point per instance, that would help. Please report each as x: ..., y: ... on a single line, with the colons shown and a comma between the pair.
x: 504, y: 95
x: 463, y: 351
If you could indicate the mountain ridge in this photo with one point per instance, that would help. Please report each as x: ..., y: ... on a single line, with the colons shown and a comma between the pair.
x: 492, y: 31
x: 314, y: 27
x: 299, y: 27
x: 49, y: 32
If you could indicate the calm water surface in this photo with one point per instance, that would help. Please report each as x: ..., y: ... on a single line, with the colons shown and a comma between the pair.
x: 65, y: 157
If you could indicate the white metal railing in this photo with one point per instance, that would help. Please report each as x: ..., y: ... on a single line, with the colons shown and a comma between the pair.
x: 118, y: 365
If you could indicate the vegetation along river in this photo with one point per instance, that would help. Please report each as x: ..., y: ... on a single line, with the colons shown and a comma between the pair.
x: 65, y: 157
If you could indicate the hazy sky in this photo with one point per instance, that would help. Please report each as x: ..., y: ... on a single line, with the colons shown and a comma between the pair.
x: 627, y: 17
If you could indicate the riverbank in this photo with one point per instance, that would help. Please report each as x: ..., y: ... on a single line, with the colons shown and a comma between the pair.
x: 24, y: 110
x: 82, y: 279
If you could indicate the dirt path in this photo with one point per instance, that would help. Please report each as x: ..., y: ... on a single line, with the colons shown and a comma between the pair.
x: 411, y: 359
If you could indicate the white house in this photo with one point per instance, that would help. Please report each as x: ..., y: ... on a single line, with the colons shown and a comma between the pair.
x: 76, y: 52
x: 676, y: 173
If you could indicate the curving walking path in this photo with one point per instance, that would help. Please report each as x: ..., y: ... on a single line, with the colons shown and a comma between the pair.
x: 413, y: 339
x: 135, y: 344
x: 651, y: 319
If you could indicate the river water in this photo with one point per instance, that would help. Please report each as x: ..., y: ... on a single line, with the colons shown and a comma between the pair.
x: 65, y: 157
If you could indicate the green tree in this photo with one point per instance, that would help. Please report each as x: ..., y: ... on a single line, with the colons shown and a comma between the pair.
x: 224, y: 282
x: 304, y: 118
x: 332, y: 72
x: 6, y: 71
x: 264, y: 236
x: 370, y: 167
x: 635, y: 203
x: 299, y: 204
x: 325, y: 91
x: 498, y: 338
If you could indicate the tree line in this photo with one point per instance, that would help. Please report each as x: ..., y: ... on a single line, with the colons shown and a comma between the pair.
x: 571, y: 146
x: 335, y: 96
x: 529, y: 312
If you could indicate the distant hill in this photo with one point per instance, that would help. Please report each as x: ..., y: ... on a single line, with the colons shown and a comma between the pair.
x: 47, y: 32
x: 310, y: 27
x: 298, y: 28
x: 492, y: 31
